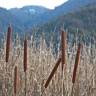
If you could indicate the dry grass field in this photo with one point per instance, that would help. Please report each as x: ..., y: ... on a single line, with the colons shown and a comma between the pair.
x: 25, y: 70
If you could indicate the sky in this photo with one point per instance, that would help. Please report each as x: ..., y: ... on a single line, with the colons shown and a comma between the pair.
x: 20, y: 3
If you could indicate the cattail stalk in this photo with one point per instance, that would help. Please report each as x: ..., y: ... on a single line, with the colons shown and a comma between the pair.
x: 77, y: 61
x: 25, y: 55
x: 52, y: 73
x: 63, y: 48
x: 63, y: 56
x: 15, y: 80
x: 25, y: 64
x: 8, y: 42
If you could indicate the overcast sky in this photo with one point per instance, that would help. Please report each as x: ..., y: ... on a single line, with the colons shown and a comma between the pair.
x: 19, y: 3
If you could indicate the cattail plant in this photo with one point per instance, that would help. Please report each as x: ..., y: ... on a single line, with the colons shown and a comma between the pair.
x: 63, y: 48
x: 25, y: 62
x: 25, y: 55
x: 77, y: 61
x: 8, y: 42
x: 63, y: 55
x: 15, y: 80
x: 52, y: 73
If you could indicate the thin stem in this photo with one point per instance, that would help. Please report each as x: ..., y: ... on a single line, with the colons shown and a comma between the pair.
x: 6, y: 89
x: 25, y: 83
x: 62, y: 75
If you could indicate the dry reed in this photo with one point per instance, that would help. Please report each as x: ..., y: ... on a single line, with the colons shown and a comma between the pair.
x: 40, y: 62
x: 52, y: 73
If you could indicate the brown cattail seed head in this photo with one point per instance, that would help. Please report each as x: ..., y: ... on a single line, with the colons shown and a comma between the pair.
x: 52, y: 73
x: 9, y: 33
x: 77, y: 61
x: 63, y: 48
x: 25, y: 55
x: 15, y: 79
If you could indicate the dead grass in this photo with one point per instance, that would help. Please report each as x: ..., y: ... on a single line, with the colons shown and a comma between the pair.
x: 40, y: 63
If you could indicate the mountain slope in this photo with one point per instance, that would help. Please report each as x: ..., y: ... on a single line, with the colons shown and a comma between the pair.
x: 23, y: 19
x: 7, y: 18
x: 67, y: 7
x: 72, y: 5
x: 84, y: 20
x: 28, y: 14
x: 35, y: 15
